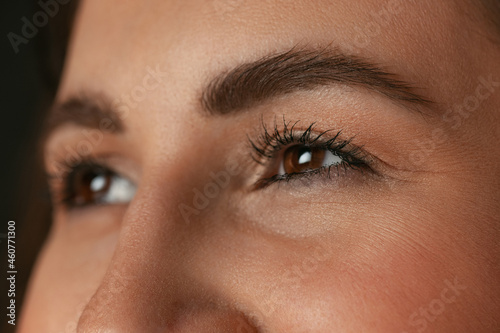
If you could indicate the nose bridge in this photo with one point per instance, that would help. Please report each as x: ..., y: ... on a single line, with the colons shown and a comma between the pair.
x: 148, y: 286
x: 139, y: 286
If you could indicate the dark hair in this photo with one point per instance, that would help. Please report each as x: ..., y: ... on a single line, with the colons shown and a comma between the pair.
x: 53, y: 44
x: 33, y: 209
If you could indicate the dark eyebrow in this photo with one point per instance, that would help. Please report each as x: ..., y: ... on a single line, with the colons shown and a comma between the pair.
x: 87, y: 110
x: 252, y: 83
x: 301, y: 69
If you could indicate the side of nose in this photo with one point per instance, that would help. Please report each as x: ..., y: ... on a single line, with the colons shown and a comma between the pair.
x: 148, y: 286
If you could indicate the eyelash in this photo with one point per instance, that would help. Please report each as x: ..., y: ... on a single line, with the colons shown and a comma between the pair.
x: 270, y: 143
x: 87, y: 166
x: 62, y: 185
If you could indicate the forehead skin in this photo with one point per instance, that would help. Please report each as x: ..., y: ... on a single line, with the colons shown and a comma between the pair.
x: 439, y: 46
x: 411, y: 36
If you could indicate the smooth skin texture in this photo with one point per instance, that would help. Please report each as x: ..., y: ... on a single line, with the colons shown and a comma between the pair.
x: 412, y: 249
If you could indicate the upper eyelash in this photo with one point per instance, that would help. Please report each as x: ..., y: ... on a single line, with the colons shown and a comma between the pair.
x: 69, y: 167
x: 69, y: 178
x: 61, y: 190
x: 268, y: 143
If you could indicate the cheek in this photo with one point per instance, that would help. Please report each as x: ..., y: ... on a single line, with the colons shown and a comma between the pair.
x: 380, y: 262
x: 57, y: 293
x: 68, y: 272
x: 406, y: 269
x: 314, y: 283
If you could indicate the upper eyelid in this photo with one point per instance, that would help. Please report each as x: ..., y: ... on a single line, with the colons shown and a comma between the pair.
x: 121, y: 165
x: 268, y: 142
x: 98, y: 161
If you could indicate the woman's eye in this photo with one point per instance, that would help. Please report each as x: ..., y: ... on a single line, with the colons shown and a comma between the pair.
x: 89, y: 185
x: 288, y: 154
x: 301, y: 158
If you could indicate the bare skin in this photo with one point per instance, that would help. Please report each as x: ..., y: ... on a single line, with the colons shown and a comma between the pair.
x: 409, y: 244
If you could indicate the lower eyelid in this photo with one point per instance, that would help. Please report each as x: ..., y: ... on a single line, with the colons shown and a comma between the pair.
x: 329, y: 174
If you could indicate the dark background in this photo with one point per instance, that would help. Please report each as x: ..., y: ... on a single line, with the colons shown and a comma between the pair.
x: 28, y: 82
x: 20, y: 95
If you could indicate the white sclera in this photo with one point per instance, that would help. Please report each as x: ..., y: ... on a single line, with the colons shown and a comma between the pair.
x: 331, y: 159
x: 121, y: 190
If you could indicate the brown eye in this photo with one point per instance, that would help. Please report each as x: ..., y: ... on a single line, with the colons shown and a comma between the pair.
x: 300, y: 158
x: 87, y: 185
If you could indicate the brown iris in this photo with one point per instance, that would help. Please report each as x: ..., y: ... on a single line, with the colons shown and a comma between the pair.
x: 90, y: 186
x: 299, y: 159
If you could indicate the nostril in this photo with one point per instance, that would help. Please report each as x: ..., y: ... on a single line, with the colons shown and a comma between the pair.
x: 90, y: 320
x: 108, y: 312
x: 213, y: 320
x: 200, y: 322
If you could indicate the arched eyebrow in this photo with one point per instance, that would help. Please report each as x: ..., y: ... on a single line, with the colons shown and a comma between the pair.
x: 86, y: 110
x: 253, y: 83
x: 302, y: 69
